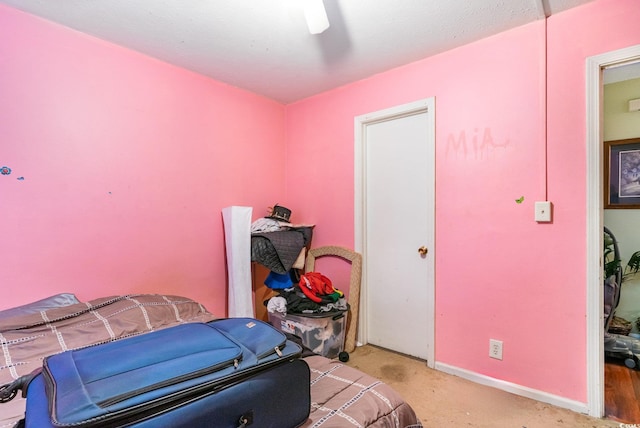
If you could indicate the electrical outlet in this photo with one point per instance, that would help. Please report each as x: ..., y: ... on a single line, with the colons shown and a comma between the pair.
x: 495, y: 349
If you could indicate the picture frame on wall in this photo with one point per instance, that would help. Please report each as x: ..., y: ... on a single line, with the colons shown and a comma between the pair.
x: 622, y: 174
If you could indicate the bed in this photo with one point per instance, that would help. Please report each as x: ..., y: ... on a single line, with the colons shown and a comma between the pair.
x: 340, y: 395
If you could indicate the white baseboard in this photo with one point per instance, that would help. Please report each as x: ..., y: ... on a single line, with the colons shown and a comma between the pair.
x: 513, y: 388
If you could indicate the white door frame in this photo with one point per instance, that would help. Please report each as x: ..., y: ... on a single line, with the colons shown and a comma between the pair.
x: 595, y: 298
x: 361, y: 122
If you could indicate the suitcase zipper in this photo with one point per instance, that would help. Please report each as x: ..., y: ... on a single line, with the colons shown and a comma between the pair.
x: 255, y: 323
x: 162, y: 404
x: 183, y: 378
x: 179, y: 379
x: 175, y: 380
x: 245, y: 374
x: 274, y: 350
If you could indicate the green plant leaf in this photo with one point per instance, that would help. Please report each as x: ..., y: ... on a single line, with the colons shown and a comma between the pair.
x: 633, y: 265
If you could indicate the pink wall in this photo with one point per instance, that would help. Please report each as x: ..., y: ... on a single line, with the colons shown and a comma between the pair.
x: 127, y: 163
x: 498, y: 273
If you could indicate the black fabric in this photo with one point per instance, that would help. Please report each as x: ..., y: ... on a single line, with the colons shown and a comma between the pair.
x: 279, y: 250
x: 298, y: 302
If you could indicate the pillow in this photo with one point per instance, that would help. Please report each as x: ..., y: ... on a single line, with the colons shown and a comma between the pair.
x: 55, y: 301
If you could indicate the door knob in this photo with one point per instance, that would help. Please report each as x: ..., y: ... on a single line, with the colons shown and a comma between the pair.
x: 423, y: 251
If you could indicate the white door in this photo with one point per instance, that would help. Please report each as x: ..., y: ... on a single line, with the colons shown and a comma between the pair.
x: 395, y: 223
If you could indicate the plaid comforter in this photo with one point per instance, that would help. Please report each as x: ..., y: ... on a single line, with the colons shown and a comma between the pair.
x: 27, y: 339
x: 341, y: 396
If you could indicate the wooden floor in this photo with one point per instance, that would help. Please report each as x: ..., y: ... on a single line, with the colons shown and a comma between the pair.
x: 621, y: 393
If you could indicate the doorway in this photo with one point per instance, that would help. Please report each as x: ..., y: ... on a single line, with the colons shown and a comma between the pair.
x: 595, y: 327
x: 394, y: 224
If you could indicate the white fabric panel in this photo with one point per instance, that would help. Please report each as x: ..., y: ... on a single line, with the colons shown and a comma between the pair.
x: 237, y: 232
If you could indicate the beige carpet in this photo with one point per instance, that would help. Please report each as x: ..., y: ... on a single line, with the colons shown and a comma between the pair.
x: 442, y: 400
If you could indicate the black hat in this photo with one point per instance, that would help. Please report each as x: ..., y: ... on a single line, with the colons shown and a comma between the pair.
x: 280, y: 213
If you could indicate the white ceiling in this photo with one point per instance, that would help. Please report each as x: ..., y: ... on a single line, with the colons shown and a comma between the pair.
x: 264, y: 45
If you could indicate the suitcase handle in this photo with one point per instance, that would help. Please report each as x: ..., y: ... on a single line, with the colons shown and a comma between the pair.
x: 9, y: 391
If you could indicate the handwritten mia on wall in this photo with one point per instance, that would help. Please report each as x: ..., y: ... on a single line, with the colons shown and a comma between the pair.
x: 479, y: 145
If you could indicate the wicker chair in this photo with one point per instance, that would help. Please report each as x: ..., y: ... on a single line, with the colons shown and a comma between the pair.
x: 354, y: 285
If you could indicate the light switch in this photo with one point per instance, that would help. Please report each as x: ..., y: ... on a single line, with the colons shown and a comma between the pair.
x: 543, y: 211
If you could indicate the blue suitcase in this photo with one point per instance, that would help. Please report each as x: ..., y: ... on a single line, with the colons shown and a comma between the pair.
x: 233, y: 372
